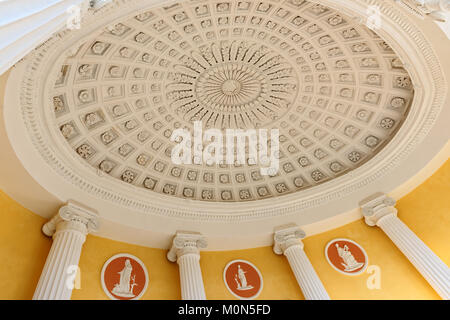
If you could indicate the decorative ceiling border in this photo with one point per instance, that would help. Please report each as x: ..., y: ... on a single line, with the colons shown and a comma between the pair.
x: 424, y: 111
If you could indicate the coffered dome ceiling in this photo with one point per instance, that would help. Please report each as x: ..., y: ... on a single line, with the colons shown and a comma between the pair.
x: 90, y: 114
x: 336, y: 91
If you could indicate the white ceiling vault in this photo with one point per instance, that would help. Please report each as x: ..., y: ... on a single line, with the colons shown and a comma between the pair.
x: 335, y: 90
x: 99, y: 105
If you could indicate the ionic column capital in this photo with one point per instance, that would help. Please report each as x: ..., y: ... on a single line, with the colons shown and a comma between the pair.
x: 186, y: 243
x: 287, y: 236
x: 73, y: 216
x: 377, y: 207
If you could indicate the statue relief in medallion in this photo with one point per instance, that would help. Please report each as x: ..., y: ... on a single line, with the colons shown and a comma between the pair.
x: 346, y: 256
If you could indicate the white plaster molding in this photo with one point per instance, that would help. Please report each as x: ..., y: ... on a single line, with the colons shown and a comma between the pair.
x: 378, y: 210
x: 77, y: 77
x: 345, y: 183
x: 185, y: 251
x: 287, y: 241
x: 405, y: 38
x: 435, y: 9
x: 69, y: 229
x: 25, y: 24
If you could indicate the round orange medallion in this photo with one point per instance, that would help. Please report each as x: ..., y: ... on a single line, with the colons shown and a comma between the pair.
x: 243, y: 279
x: 346, y: 256
x: 124, y: 277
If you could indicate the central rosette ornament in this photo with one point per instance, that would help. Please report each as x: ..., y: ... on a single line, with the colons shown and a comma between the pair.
x: 233, y: 85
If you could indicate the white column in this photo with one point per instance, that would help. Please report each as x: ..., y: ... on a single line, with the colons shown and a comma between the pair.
x: 287, y: 241
x: 379, y: 210
x: 185, y: 251
x: 68, y: 229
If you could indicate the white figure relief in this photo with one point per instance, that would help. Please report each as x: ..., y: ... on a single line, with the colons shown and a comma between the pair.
x: 242, y: 282
x: 350, y: 262
x: 126, y: 283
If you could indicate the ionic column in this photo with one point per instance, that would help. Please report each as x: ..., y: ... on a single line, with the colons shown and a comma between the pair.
x: 185, y: 251
x: 287, y: 241
x: 379, y: 210
x: 69, y: 229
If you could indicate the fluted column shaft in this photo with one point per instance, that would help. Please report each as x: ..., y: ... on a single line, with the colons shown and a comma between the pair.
x: 69, y: 229
x: 287, y: 241
x: 380, y: 212
x: 433, y: 269
x: 65, y: 251
x: 191, y: 277
x: 306, y: 276
x: 185, y: 251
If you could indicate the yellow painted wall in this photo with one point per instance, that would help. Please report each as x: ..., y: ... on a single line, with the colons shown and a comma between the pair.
x: 164, y: 282
x: 23, y: 249
x: 426, y: 211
